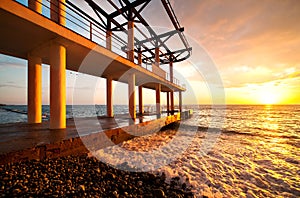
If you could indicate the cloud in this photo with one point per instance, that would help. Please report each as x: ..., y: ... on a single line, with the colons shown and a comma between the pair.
x: 246, y: 31
x: 12, y: 86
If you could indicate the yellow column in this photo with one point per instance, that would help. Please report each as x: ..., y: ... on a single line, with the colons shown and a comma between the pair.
x: 34, y: 97
x: 171, y: 72
x: 157, y: 59
x: 168, y: 102
x: 109, y: 98
x: 35, y: 5
x: 131, y: 95
x: 141, y: 105
x: 172, y: 102
x: 180, y: 101
x: 108, y: 35
x: 130, y: 44
x: 58, y: 11
x: 158, y: 89
x: 57, y: 87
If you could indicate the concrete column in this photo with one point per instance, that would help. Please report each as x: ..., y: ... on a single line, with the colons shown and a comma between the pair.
x: 158, y: 108
x: 180, y: 101
x: 108, y: 39
x: 131, y: 96
x: 168, y: 102
x: 35, y: 5
x: 130, y: 45
x: 171, y: 72
x: 34, y: 96
x: 57, y: 87
x: 109, y: 98
x: 58, y: 11
x: 157, y: 59
x: 141, y: 105
x: 139, y: 57
x: 172, y: 102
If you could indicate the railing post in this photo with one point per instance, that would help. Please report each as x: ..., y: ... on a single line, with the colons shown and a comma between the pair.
x: 58, y: 11
x: 91, y: 31
x: 35, y: 5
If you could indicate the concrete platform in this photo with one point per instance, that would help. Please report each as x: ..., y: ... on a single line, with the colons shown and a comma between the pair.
x: 22, y: 141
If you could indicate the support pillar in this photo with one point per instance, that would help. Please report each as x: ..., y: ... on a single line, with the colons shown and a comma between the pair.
x: 108, y: 36
x: 168, y: 102
x: 131, y: 96
x: 57, y: 87
x: 171, y: 72
x: 58, y: 11
x: 157, y: 59
x: 130, y: 45
x: 141, y: 105
x: 35, y: 5
x: 180, y: 101
x: 158, y: 108
x: 109, y: 98
x: 34, y: 96
x: 139, y: 57
x: 172, y: 102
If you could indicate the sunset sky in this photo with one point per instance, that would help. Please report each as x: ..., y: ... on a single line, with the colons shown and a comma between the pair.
x: 254, y: 46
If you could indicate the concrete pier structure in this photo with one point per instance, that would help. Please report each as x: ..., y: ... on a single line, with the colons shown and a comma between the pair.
x: 28, y: 34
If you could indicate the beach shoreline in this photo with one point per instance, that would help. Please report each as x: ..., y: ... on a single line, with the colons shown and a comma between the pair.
x: 83, y: 176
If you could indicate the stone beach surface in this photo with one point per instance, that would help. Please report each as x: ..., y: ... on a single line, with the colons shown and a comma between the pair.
x: 83, y: 176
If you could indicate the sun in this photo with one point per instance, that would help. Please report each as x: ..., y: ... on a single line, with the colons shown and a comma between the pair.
x: 268, y: 97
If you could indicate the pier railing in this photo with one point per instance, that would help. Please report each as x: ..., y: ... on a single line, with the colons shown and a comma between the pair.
x: 83, y: 24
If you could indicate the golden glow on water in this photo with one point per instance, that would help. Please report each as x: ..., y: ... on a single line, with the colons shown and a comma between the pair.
x: 270, y: 122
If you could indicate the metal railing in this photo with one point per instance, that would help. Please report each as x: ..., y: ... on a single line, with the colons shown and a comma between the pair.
x: 81, y: 23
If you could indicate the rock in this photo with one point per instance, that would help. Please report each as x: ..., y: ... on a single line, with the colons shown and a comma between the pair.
x: 159, y: 193
x: 16, y: 191
x: 81, y: 187
x: 140, y: 183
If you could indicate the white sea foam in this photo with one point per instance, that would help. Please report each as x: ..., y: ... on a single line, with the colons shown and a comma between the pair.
x: 242, y: 163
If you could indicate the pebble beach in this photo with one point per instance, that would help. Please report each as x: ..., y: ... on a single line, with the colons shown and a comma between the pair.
x: 83, y: 176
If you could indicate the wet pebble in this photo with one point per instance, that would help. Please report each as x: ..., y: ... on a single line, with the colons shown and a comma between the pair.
x: 81, y: 176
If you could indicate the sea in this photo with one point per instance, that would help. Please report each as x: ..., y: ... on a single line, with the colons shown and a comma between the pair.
x: 222, y: 151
